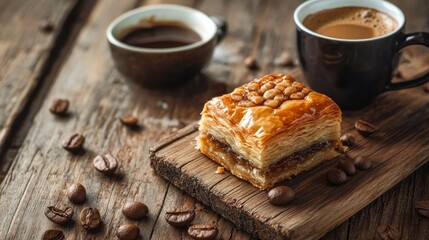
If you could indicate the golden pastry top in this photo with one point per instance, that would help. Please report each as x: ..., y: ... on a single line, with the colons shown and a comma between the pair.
x: 271, y: 105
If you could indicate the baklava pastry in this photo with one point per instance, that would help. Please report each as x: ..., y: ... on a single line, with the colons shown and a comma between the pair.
x: 269, y: 130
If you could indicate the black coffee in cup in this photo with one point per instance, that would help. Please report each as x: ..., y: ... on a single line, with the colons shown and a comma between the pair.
x: 161, y: 35
x: 351, y: 23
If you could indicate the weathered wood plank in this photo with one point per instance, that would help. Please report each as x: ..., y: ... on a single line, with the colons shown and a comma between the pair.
x: 98, y: 96
x: 398, y: 149
x: 41, y: 169
x: 24, y: 51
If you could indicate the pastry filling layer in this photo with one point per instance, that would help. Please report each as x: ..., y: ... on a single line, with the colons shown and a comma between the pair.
x: 289, y: 162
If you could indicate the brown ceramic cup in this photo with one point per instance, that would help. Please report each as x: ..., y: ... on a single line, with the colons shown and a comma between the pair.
x: 164, y: 67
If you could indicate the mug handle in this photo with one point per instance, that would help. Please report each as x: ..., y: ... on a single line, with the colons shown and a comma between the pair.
x: 420, y: 38
x: 222, y: 27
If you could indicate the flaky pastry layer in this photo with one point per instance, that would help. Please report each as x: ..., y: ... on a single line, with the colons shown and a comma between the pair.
x: 266, y: 178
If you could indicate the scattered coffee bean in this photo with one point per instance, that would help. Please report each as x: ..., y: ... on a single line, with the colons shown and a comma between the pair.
x: 284, y: 60
x: 59, y: 214
x: 74, y: 142
x: 76, y: 193
x: 106, y: 164
x: 90, y: 219
x: 179, y: 217
x: 53, y: 234
x: 203, y: 231
x: 251, y: 63
x: 135, y: 210
x: 128, y: 232
x: 388, y: 232
x: 362, y: 162
x: 347, y: 166
x: 347, y: 140
x: 281, y: 195
x: 59, y: 106
x: 45, y: 25
x: 129, y: 120
x: 336, y: 176
x: 422, y: 207
x: 364, y: 128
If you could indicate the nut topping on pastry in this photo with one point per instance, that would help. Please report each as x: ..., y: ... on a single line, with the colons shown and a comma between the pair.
x: 271, y: 90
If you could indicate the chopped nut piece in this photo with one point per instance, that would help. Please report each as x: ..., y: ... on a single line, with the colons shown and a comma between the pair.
x: 236, y: 97
x: 220, y: 170
x: 272, y: 103
x: 270, y: 94
x: 256, y: 99
x: 289, y: 90
x: 297, y: 95
x: 267, y: 86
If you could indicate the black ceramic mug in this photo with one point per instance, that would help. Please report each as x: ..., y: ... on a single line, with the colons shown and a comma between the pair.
x: 353, y: 71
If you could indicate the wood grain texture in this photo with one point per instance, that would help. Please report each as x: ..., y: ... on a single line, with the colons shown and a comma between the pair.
x: 41, y: 170
x: 397, y: 149
x: 24, y: 51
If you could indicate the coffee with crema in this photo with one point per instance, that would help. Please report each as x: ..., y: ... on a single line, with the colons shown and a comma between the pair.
x: 351, y: 23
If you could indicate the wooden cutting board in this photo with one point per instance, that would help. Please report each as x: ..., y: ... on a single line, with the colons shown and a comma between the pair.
x: 399, y: 147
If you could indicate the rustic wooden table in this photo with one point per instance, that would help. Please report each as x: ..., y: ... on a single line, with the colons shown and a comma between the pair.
x: 73, y: 62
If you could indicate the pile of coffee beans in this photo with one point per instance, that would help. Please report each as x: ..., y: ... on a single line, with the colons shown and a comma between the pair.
x: 89, y: 217
x: 345, y: 168
x: 180, y: 217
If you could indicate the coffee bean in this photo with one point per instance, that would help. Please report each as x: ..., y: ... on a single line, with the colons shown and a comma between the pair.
x: 59, y: 106
x: 106, y: 164
x: 251, y: 63
x: 347, y: 140
x: 364, y: 128
x: 135, y: 210
x: 59, y: 214
x: 347, y: 166
x: 388, y: 232
x: 284, y: 60
x: 53, y: 234
x: 422, y: 207
x: 336, y: 176
x: 76, y: 193
x: 203, y: 231
x: 179, y: 217
x: 74, y: 142
x: 90, y: 219
x: 129, y: 120
x: 128, y: 232
x: 281, y: 195
x: 362, y: 162
x: 45, y: 25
